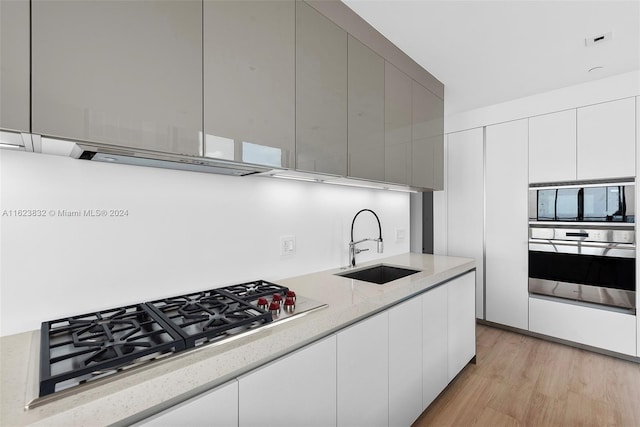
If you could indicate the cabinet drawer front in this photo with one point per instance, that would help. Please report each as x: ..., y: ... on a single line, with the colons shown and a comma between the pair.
x: 585, y: 325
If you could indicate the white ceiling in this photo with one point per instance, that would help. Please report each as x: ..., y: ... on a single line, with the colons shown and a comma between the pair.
x: 486, y: 52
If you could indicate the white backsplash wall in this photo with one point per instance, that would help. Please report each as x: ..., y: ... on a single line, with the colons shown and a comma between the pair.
x: 185, y: 231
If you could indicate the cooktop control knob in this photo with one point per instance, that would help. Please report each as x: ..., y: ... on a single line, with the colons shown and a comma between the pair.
x: 274, y: 308
x: 263, y: 303
x: 291, y: 294
x: 276, y: 298
x: 289, y: 304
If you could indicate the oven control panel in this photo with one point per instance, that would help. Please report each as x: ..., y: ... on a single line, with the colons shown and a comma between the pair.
x: 600, y: 235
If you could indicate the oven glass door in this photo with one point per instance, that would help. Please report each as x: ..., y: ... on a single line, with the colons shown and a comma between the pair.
x: 588, y: 274
x: 596, y: 203
x: 606, y: 203
x: 603, y: 271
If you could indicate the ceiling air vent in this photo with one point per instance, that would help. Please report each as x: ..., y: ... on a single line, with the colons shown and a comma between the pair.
x: 599, y: 39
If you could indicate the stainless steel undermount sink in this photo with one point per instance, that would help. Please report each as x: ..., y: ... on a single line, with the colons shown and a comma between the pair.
x: 379, y: 274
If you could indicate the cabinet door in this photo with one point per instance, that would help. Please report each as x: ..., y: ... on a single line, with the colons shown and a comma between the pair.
x: 461, y: 322
x: 435, y: 347
x: 218, y: 407
x: 397, y: 125
x: 552, y: 147
x: 606, y: 140
x: 14, y: 72
x: 321, y: 93
x: 126, y: 73
x: 405, y: 363
x: 297, y: 390
x: 427, y: 138
x: 249, y: 81
x: 366, y: 112
x: 465, y: 202
x: 363, y: 373
x: 506, y: 286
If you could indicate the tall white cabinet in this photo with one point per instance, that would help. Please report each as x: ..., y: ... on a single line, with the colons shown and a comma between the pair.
x: 465, y: 202
x: 507, y: 224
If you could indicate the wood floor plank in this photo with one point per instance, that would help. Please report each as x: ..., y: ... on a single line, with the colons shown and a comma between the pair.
x: 546, y: 411
x: 584, y: 411
x: 521, y: 380
x: 589, y: 375
x: 556, y: 366
x: 513, y: 400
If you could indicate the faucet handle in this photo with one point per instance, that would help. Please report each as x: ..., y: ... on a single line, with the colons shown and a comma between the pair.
x: 361, y: 250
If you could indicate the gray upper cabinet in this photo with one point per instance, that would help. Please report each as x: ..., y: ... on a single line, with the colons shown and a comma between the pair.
x: 366, y: 112
x: 14, y: 65
x: 249, y: 81
x: 126, y: 73
x: 321, y: 93
x: 397, y: 122
x: 427, y: 139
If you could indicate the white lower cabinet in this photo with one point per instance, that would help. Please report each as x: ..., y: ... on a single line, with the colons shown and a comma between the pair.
x: 461, y: 321
x: 222, y: 401
x: 595, y: 327
x: 435, y: 350
x: 363, y: 373
x: 382, y: 371
x: 405, y: 362
x: 296, y: 390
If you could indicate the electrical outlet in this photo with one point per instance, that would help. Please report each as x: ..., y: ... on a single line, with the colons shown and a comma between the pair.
x: 287, y: 245
x: 400, y: 235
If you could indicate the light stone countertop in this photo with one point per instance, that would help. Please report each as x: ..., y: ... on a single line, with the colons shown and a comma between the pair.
x: 148, y: 389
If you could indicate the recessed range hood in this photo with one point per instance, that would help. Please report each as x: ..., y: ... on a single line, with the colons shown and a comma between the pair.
x: 140, y: 157
x: 168, y: 161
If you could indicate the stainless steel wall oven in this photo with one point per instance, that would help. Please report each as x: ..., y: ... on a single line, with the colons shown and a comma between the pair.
x: 582, y: 243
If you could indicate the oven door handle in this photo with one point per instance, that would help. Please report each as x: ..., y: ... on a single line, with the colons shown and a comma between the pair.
x: 621, y: 250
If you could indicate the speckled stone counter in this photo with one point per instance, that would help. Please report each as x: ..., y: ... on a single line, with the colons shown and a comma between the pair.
x: 158, y: 385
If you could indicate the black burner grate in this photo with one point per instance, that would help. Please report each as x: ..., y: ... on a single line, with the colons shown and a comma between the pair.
x: 209, y: 315
x: 254, y: 290
x: 85, y: 346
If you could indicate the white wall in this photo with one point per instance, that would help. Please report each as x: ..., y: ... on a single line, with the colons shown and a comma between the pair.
x: 185, y: 231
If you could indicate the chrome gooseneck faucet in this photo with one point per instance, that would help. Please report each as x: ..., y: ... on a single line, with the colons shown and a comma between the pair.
x: 352, y: 245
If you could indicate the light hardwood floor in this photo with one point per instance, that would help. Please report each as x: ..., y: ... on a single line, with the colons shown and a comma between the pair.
x: 520, y: 380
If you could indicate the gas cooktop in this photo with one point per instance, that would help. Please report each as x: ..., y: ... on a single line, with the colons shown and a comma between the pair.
x: 81, y: 349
